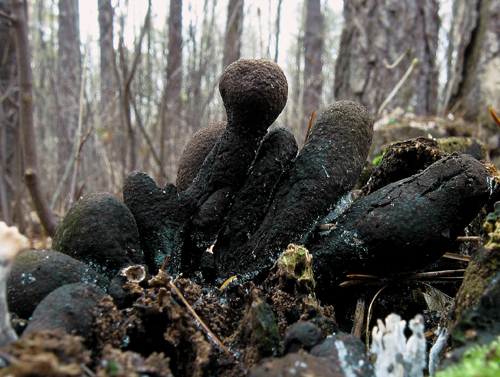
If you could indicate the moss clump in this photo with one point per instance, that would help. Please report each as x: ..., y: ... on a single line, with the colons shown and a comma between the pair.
x: 265, y: 333
x: 295, y: 265
x: 467, y: 145
x: 483, y: 267
x: 481, y: 361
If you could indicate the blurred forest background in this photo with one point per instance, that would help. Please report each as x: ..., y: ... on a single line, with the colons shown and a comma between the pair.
x: 131, y: 98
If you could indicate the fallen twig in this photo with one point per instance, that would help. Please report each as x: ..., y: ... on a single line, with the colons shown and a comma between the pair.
x: 359, y: 317
x: 469, y: 239
x: 398, y: 86
x: 205, y: 327
x: 444, y: 275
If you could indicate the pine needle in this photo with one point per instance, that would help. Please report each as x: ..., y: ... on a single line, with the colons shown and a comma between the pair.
x: 164, y: 263
x: 495, y: 117
x: 226, y: 283
x: 310, y: 125
x: 460, y: 257
x: 369, y: 316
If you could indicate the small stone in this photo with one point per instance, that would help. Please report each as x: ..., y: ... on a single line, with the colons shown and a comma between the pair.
x: 301, y: 335
x: 297, y: 365
x: 259, y: 325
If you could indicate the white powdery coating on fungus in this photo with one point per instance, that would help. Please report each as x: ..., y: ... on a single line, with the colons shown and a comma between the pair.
x: 347, y: 368
x: 11, y: 242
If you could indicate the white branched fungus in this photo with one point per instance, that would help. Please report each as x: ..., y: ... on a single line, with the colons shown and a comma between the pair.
x: 436, y: 349
x: 397, y: 356
x: 11, y: 244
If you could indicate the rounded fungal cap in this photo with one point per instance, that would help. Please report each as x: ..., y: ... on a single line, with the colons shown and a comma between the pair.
x: 253, y: 90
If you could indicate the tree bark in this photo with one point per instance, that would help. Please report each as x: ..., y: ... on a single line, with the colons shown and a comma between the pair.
x: 313, y: 65
x: 375, y: 34
x: 467, y: 55
x: 277, y: 26
x: 8, y: 140
x: 234, y: 28
x: 172, y: 98
x: 69, y: 71
x: 33, y: 182
x: 126, y: 89
x: 106, y: 49
x: 200, y: 74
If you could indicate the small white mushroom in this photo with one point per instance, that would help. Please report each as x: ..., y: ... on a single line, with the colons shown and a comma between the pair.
x: 11, y: 244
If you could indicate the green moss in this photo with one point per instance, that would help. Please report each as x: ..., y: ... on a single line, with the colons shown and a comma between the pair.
x: 295, y: 264
x: 265, y: 330
x: 495, y: 215
x: 377, y: 160
x: 483, y: 267
x: 462, y: 144
x: 480, y: 361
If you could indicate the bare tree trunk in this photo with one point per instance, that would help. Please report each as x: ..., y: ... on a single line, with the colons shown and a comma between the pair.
x: 313, y: 65
x: 466, y: 56
x: 7, y: 115
x: 297, y: 87
x: 69, y: 71
x: 277, y: 27
x: 172, y: 99
x: 375, y: 34
x: 202, y: 52
x: 125, y: 89
x: 234, y: 29
x: 33, y: 182
x: 106, y: 49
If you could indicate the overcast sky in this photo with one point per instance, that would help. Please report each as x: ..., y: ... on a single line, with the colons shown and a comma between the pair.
x: 290, y: 17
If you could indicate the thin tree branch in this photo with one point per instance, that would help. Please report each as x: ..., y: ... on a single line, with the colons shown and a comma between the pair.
x: 197, y: 317
x: 138, y: 46
x: 145, y: 134
x: 80, y: 139
x: 7, y: 16
x: 78, y: 143
x: 398, y: 86
x: 398, y: 60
